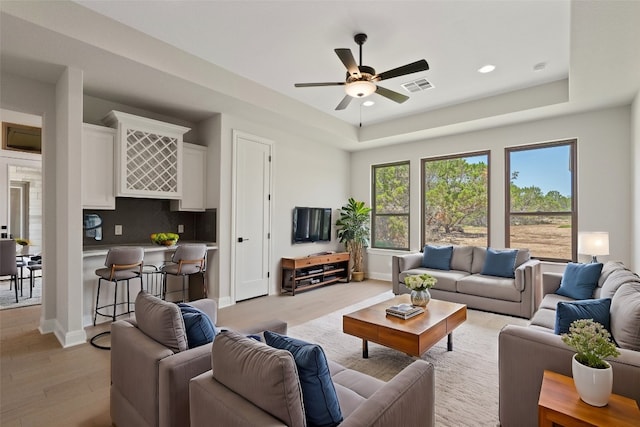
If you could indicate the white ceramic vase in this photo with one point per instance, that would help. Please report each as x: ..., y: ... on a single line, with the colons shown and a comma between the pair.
x: 593, y: 385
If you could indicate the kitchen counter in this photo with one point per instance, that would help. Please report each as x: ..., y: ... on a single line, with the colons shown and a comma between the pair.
x: 101, y: 250
x: 94, y: 257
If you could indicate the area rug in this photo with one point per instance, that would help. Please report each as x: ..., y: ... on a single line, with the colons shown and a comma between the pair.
x: 8, y: 296
x: 466, y: 378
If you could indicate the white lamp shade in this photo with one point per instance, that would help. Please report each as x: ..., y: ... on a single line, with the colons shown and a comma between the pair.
x: 360, y: 88
x: 593, y: 243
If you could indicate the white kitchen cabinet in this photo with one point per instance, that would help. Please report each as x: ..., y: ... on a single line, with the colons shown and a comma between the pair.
x: 97, y: 167
x: 148, y: 156
x: 194, y: 172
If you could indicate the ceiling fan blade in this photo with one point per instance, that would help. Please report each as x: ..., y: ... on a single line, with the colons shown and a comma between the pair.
x: 319, y: 84
x: 414, y: 67
x: 349, y: 61
x: 344, y: 103
x: 392, y: 95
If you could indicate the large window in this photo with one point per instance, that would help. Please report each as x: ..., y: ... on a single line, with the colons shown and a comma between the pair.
x: 455, y: 205
x: 541, y: 199
x: 390, y: 213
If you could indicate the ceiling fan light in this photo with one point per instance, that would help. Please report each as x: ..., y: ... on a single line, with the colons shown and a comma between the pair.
x: 360, y: 88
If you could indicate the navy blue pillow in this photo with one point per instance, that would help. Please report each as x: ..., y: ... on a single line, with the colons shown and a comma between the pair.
x: 568, y: 312
x: 198, y: 325
x: 579, y: 280
x: 438, y: 257
x: 319, y: 396
x: 500, y: 263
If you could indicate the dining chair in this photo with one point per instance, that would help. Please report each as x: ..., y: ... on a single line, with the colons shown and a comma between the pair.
x: 121, y: 264
x: 34, y: 264
x: 189, y: 258
x: 8, y: 264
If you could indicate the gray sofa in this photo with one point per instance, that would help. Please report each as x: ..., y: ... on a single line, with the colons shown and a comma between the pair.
x: 464, y: 284
x: 151, y: 365
x: 252, y: 384
x: 526, y: 351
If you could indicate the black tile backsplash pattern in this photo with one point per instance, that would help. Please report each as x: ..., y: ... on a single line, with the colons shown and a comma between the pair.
x: 141, y: 217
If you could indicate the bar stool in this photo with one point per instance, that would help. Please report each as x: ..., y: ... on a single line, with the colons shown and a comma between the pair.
x: 123, y: 263
x: 187, y: 259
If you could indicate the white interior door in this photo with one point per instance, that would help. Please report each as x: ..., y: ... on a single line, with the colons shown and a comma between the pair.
x: 252, y: 161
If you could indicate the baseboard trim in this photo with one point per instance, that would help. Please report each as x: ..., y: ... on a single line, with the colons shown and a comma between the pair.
x: 224, y: 302
x: 71, y: 338
x: 379, y: 276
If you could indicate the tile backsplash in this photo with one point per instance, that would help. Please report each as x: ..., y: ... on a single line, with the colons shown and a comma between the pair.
x: 141, y: 217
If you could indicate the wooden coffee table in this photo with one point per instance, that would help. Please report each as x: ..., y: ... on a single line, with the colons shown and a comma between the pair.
x: 413, y: 336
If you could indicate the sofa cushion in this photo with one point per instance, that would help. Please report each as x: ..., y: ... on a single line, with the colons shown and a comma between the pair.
x: 499, y: 288
x: 200, y: 329
x: 544, y: 319
x: 550, y: 301
x: 263, y: 375
x: 625, y: 316
x: 500, y: 263
x: 479, y: 255
x: 462, y: 258
x: 608, y: 268
x: 614, y: 280
x: 353, y: 388
x: 568, y: 312
x: 446, y: 280
x: 321, y: 404
x: 579, y: 280
x: 161, y: 321
x: 438, y: 257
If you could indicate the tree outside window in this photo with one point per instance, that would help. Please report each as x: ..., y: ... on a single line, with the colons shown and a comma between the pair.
x: 455, y: 208
x: 541, y: 202
x: 390, y: 214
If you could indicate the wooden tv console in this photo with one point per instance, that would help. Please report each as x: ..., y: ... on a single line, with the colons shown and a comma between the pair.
x: 309, y: 272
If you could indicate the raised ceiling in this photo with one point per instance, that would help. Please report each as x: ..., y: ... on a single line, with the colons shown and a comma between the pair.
x: 279, y: 43
x: 190, y: 60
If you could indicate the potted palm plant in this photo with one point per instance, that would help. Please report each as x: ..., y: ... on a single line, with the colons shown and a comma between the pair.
x: 353, y: 231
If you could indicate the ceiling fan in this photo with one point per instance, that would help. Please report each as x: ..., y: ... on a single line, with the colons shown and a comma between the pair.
x: 362, y: 80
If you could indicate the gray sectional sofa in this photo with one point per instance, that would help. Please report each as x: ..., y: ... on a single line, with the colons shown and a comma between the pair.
x: 253, y: 384
x: 526, y: 351
x: 463, y: 282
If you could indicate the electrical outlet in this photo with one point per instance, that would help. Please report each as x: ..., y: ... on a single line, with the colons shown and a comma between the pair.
x: 118, y: 230
x: 180, y: 228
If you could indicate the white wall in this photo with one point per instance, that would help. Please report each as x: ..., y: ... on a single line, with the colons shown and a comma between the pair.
x: 305, y: 173
x: 635, y: 183
x: 604, y: 169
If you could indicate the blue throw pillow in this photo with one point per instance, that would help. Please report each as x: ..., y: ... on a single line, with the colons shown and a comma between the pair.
x: 579, y: 280
x: 500, y: 263
x: 198, y: 325
x: 319, y: 396
x: 568, y: 312
x: 438, y: 257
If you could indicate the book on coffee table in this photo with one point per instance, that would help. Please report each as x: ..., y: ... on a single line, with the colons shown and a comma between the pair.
x: 404, y: 311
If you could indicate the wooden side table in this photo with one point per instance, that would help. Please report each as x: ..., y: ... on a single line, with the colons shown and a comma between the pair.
x: 560, y: 404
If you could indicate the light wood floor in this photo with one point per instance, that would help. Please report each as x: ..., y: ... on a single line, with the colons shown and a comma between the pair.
x: 42, y: 384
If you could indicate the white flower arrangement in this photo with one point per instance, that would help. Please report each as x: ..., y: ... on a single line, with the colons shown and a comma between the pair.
x: 420, y: 282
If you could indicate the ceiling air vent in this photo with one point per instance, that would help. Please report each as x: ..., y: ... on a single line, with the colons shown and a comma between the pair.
x: 417, y: 85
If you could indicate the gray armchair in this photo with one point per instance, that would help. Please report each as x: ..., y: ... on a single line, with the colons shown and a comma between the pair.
x: 151, y: 364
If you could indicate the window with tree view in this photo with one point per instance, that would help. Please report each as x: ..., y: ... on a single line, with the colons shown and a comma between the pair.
x: 541, y: 202
x: 455, y: 208
x: 390, y: 213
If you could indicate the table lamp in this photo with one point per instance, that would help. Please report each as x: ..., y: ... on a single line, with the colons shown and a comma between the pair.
x: 593, y: 243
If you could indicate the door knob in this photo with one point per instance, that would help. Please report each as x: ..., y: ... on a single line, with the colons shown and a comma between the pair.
x: 240, y: 240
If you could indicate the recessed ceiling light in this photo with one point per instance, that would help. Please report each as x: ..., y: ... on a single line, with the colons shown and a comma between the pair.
x: 486, y: 68
x: 368, y: 103
x: 540, y: 66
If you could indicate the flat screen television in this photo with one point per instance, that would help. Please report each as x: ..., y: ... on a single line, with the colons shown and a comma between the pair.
x: 311, y: 224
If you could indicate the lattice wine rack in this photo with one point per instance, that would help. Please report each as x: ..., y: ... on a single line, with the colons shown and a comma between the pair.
x: 152, y: 162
